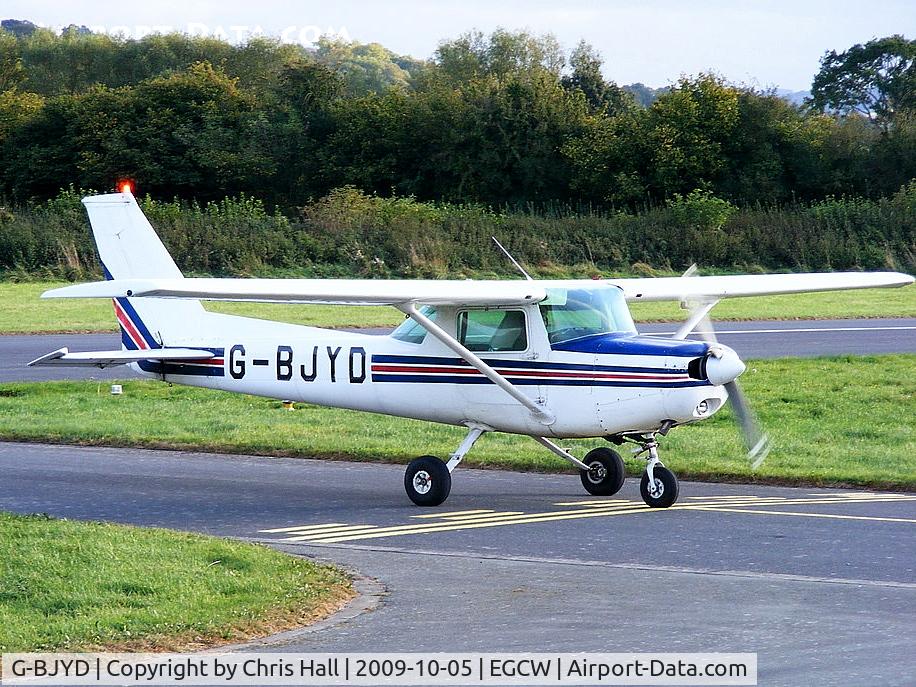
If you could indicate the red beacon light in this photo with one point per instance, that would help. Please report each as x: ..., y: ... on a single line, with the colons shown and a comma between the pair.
x: 126, y: 187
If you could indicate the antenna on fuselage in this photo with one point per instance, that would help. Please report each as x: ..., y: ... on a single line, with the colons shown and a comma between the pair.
x: 514, y: 261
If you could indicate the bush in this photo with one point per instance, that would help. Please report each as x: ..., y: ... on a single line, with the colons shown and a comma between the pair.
x: 351, y: 233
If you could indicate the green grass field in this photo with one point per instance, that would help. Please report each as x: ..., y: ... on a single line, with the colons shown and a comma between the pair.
x: 95, y: 586
x: 841, y: 421
x: 22, y: 312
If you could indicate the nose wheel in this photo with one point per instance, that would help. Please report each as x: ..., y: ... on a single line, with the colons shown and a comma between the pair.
x: 658, y: 486
x: 659, y: 491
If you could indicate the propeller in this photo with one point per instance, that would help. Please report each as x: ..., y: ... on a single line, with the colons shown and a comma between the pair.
x: 727, y: 366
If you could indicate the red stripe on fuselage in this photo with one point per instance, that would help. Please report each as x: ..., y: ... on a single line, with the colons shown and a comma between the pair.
x: 129, y: 326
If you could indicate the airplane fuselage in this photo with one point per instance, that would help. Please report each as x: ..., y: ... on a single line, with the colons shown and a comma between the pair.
x: 595, y: 386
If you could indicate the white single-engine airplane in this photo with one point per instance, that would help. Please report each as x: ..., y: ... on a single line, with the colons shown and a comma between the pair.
x: 546, y: 359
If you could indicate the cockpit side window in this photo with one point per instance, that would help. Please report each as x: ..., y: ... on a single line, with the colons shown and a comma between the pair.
x: 410, y: 331
x: 493, y: 330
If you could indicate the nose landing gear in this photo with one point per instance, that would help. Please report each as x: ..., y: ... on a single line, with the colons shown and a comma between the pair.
x: 658, y: 486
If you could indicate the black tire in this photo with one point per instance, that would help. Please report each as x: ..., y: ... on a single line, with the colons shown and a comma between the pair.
x: 606, y: 474
x: 666, y: 484
x: 427, y: 481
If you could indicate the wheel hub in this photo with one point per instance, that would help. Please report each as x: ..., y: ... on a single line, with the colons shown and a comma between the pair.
x: 422, y: 482
x: 656, y: 489
x: 596, y: 473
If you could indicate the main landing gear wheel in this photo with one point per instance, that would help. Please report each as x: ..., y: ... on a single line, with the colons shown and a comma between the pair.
x: 663, y: 492
x: 605, y: 473
x: 427, y: 481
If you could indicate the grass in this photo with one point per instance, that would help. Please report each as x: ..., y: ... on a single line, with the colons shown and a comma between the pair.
x: 833, y: 421
x: 96, y: 586
x: 22, y: 312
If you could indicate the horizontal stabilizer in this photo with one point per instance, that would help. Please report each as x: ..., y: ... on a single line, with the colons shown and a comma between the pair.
x: 102, y: 359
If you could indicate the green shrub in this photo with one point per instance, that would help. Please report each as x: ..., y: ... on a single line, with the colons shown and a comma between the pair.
x: 351, y: 233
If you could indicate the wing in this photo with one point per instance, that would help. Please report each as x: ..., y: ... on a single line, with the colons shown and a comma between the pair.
x: 486, y: 292
x: 102, y: 359
x: 734, y: 286
x: 330, y: 291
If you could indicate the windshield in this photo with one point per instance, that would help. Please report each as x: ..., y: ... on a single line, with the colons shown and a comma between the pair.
x: 410, y: 330
x: 574, y: 313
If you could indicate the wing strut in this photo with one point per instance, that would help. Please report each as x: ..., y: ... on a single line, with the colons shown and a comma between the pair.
x: 542, y: 414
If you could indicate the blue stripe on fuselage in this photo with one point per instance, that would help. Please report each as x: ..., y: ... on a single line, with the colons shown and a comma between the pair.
x: 131, y: 312
x: 162, y: 368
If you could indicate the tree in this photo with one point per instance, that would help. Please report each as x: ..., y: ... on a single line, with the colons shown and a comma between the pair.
x: 493, y: 140
x: 876, y: 79
x: 18, y: 27
x: 191, y: 133
x: 11, y: 72
x: 608, y: 159
x: 678, y: 144
x: 16, y: 109
x: 642, y: 94
x: 585, y: 63
x: 300, y: 117
x: 501, y: 54
x: 364, y: 67
x: 768, y: 154
x: 687, y: 129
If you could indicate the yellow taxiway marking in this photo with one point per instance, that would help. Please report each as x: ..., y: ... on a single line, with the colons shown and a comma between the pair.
x: 298, y: 528
x: 470, y: 522
x: 457, y: 512
x: 778, y: 501
x: 599, y: 502
x: 449, y: 527
x: 468, y: 515
x: 333, y: 533
x: 836, y: 516
x: 485, y: 516
x: 330, y: 532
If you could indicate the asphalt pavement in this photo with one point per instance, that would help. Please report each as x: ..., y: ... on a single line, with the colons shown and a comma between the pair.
x: 761, y: 339
x: 820, y: 583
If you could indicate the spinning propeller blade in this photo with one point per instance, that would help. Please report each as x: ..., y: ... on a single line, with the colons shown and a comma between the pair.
x: 757, y: 441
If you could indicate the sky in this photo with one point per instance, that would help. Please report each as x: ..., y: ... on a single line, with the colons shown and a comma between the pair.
x: 764, y: 44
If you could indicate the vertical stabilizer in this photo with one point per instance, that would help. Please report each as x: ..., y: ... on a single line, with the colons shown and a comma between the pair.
x: 129, y: 248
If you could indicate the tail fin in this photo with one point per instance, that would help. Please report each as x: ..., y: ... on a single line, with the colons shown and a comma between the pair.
x: 129, y: 247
